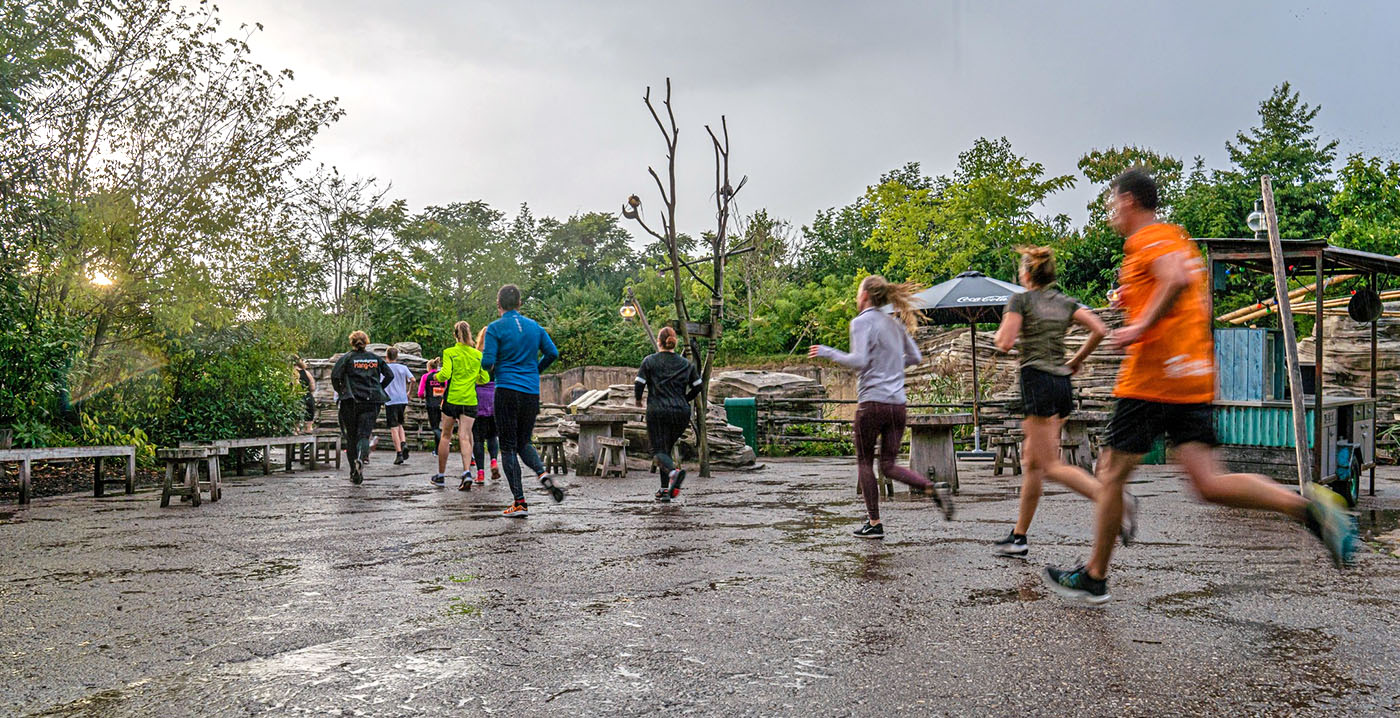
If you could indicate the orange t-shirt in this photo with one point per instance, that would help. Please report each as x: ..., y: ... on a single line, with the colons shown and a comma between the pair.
x: 1174, y: 361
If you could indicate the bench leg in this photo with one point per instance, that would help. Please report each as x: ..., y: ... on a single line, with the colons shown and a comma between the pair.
x: 315, y: 447
x: 238, y: 460
x: 192, y: 481
x: 131, y: 474
x: 97, y: 477
x: 216, y: 485
x: 169, y: 486
x: 267, y: 460
x: 290, y: 454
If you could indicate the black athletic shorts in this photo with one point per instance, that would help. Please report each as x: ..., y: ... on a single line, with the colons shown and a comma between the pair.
x: 1045, y: 394
x: 309, y: 404
x: 457, y: 411
x: 393, y: 414
x: 1136, y: 424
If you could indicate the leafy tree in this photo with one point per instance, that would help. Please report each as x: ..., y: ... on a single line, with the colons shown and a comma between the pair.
x: 585, y: 248
x: 973, y: 219
x: 1088, y: 261
x: 838, y: 239
x: 1367, y: 206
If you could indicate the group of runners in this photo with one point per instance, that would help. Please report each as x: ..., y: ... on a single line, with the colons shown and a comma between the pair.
x: 1164, y: 388
x: 487, y: 387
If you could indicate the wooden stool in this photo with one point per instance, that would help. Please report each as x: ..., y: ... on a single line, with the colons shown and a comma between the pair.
x: 1008, y: 455
x: 612, y: 456
x: 552, y: 455
x: 185, y: 461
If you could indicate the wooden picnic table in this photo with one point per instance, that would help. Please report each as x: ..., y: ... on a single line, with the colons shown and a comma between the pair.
x: 931, y: 451
x: 590, y: 428
x: 24, y: 457
x: 1076, y: 429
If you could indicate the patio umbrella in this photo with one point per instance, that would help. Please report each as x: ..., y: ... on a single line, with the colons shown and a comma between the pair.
x: 971, y: 298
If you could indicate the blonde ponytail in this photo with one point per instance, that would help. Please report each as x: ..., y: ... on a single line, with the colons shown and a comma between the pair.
x: 900, y: 298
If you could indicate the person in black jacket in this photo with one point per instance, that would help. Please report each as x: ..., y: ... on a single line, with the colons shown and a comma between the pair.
x: 674, y: 383
x: 360, y: 378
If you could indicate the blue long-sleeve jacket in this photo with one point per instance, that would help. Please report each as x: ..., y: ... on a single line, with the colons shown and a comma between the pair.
x: 516, y: 350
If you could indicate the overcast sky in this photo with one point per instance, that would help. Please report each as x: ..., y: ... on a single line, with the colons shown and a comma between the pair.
x: 540, y: 102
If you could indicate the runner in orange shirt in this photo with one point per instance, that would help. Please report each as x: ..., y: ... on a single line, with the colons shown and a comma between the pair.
x: 1166, y: 386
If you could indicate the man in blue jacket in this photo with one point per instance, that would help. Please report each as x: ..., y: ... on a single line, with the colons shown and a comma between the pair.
x: 516, y: 350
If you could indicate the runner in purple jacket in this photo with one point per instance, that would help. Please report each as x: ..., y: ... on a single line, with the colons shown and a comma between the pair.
x: 484, y: 436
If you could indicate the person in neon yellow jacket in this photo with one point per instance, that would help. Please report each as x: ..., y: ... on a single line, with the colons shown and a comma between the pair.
x: 461, y: 370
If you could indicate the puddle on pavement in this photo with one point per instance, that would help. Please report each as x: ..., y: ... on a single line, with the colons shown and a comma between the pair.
x: 1374, y: 524
x: 1029, y: 590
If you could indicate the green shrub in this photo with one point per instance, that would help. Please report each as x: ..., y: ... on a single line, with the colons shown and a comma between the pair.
x: 36, y: 356
x: 228, y: 384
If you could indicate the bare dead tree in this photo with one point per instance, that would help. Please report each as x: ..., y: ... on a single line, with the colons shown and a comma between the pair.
x: 724, y: 195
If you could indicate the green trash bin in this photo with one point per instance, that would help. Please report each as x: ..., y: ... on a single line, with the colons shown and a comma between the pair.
x: 742, y: 411
x: 1158, y: 455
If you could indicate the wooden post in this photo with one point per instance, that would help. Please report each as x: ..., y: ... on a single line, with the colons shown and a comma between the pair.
x: 267, y: 459
x: 1374, y: 422
x: 131, y: 473
x: 1318, y: 429
x: 97, y: 477
x: 1290, y: 339
x: 642, y: 315
x: 976, y: 391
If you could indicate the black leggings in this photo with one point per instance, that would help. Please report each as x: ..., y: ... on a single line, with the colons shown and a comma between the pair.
x: 664, y: 428
x: 515, y: 423
x: 483, y: 440
x: 435, y: 421
x: 357, y: 425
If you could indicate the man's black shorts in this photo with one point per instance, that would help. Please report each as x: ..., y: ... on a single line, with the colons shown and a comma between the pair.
x: 393, y: 414
x: 1045, y: 394
x: 1136, y: 424
x: 457, y: 411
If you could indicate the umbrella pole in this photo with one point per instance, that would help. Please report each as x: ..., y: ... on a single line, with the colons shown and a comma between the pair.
x: 976, y: 392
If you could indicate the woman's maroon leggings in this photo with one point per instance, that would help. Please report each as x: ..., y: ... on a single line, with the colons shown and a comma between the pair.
x: 875, y: 420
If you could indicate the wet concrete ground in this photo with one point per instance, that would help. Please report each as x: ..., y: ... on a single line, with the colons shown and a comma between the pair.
x: 304, y: 595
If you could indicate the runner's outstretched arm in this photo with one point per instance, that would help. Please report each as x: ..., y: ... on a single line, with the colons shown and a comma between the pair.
x: 1008, y: 331
x: 1173, y: 274
x: 858, y: 358
x: 1097, y: 331
x: 912, y: 355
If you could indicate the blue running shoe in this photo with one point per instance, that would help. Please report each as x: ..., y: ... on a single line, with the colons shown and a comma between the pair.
x: 438, y: 479
x: 1077, y: 585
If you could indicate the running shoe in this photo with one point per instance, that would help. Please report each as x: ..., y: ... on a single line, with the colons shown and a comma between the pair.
x: 517, y: 510
x: 1013, y: 545
x: 677, y: 478
x: 480, y: 478
x: 438, y: 479
x: 495, y: 472
x: 1076, y: 585
x: 871, y: 532
x: 1331, y: 524
x: 555, y: 492
x: 1128, y: 531
x: 466, y: 482
x: 357, y: 471
x: 664, y: 495
x: 943, y: 497
x: 398, y: 458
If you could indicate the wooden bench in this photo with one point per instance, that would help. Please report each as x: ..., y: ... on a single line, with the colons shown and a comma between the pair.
x: 552, y: 455
x: 186, y: 462
x: 1008, y: 455
x: 310, y: 449
x: 611, y: 457
x: 24, y: 457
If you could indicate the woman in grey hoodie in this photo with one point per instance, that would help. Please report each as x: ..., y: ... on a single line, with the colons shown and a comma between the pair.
x: 881, y: 348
